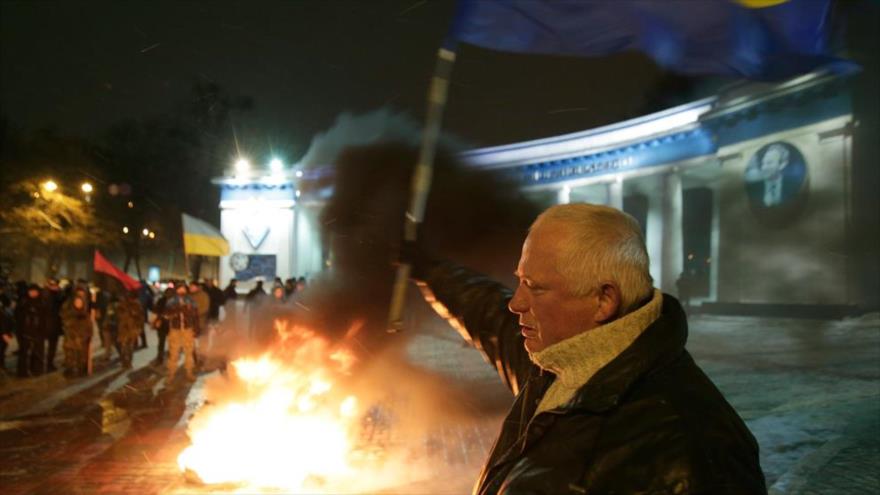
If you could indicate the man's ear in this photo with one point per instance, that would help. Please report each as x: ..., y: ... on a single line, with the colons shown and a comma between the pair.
x: 609, y: 303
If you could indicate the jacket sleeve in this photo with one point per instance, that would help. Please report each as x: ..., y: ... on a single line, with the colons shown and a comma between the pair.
x: 476, y: 306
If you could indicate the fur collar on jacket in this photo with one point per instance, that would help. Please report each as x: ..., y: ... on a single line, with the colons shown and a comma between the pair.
x: 575, y: 360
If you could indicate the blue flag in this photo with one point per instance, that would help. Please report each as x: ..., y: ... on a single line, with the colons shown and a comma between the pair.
x: 754, y: 39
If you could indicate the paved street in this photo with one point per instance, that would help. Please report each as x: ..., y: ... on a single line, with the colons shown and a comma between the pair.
x: 809, y: 390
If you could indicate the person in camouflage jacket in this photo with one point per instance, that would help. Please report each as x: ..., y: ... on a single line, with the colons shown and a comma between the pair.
x: 77, y: 324
x: 130, y: 320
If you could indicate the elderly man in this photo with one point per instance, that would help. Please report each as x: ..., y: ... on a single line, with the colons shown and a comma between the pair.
x: 607, y: 398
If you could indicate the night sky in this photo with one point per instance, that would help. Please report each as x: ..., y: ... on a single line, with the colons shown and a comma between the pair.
x: 81, y: 66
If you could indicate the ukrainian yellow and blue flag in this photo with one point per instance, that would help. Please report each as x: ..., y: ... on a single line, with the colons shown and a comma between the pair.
x: 200, y: 237
x: 754, y: 39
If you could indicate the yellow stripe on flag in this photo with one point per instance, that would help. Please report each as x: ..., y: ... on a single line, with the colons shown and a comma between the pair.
x: 200, y: 237
x: 205, y: 245
x: 759, y: 4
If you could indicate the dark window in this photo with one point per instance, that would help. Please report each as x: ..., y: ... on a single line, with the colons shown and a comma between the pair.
x: 696, y: 224
x: 636, y: 205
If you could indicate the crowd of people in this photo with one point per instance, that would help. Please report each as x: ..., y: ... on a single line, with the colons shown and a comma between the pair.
x: 71, y: 313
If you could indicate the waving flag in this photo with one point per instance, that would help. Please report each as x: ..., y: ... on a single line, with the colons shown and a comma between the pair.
x: 103, y: 265
x: 200, y: 237
x: 755, y: 39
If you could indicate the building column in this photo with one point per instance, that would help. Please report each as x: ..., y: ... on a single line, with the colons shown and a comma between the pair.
x: 615, y: 193
x: 563, y: 195
x: 654, y: 232
x: 672, y: 245
x: 715, y: 245
x: 306, y: 246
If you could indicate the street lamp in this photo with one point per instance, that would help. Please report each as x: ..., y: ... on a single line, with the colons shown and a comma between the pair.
x: 124, y: 230
x: 276, y: 166
x: 146, y: 231
x: 50, y: 185
x: 152, y: 235
x: 242, y: 167
x: 86, y: 188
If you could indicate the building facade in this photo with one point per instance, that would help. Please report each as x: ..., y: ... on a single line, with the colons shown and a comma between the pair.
x: 745, y: 196
x: 270, y: 233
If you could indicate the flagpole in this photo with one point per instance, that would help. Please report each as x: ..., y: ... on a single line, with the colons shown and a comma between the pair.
x: 421, y: 179
x: 183, y: 238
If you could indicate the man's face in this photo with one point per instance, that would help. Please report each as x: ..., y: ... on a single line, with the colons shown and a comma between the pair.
x: 548, y: 310
x: 78, y: 303
x: 33, y: 293
x: 181, y: 290
x: 193, y: 288
x: 773, y: 161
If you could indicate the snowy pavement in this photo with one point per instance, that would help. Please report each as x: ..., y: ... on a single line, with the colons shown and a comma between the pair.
x: 808, y: 389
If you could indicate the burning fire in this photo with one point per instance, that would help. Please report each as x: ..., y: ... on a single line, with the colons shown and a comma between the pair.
x: 285, y: 420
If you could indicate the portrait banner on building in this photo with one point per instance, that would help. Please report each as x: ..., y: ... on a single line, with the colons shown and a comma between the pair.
x: 248, y: 267
x: 777, y: 182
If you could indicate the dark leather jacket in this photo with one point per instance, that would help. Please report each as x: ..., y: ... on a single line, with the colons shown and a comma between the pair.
x: 32, y: 318
x: 649, y: 422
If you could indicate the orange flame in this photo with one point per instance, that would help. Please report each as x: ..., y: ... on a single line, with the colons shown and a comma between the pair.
x: 289, y: 425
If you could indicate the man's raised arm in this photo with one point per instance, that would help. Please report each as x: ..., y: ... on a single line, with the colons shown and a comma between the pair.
x: 476, y: 306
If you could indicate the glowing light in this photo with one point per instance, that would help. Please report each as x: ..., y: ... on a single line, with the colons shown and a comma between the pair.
x: 298, y: 192
x: 299, y: 173
x: 50, y: 186
x: 276, y: 166
x: 86, y: 188
x: 242, y: 166
x: 152, y: 235
x: 130, y: 204
x: 146, y: 232
x: 288, y: 423
x: 124, y: 230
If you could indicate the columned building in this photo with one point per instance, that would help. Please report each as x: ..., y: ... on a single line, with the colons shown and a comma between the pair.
x: 747, y: 195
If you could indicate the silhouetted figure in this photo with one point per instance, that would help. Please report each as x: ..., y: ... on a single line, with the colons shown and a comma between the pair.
x: 160, y: 324
x: 78, y: 329
x: 289, y: 287
x: 31, y: 322
x: 217, y: 298
x: 7, y: 328
x: 183, y: 320
x: 229, y: 293
x: 54, y: 300
x: 145, y: 297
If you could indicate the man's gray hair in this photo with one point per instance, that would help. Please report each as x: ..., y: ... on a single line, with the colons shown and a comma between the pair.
x: 605, y: 245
